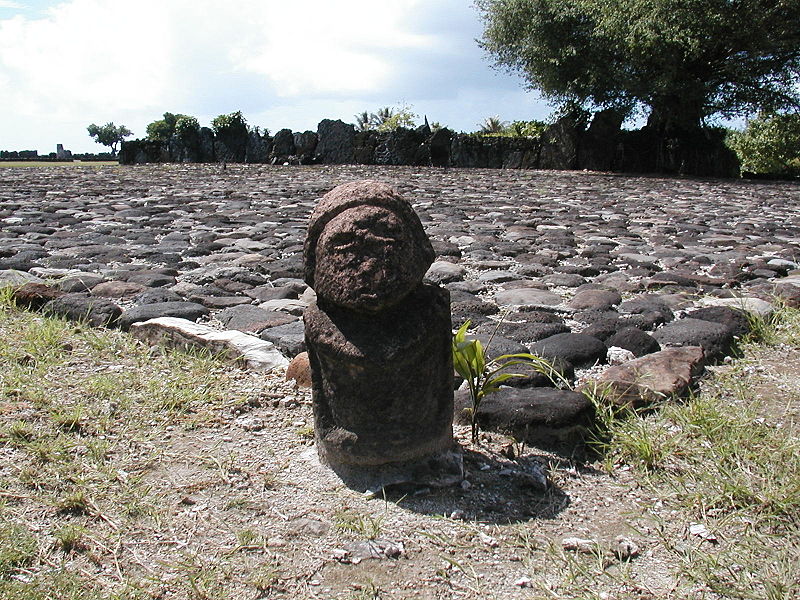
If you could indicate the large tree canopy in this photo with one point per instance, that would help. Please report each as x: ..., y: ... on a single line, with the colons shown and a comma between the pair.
x: 683, y: 59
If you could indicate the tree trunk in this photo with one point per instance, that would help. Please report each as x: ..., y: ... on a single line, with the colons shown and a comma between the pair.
x: 676, y: 124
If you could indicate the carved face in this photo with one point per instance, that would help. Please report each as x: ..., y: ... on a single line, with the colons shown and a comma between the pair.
x: 364, y: 260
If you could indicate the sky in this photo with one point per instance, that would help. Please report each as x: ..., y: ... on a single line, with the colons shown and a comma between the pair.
x: 283, y: 63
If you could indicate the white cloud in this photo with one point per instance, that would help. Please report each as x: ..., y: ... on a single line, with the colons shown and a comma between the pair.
x: 83, y: 61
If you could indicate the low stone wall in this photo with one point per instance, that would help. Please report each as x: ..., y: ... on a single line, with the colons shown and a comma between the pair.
x: 603, y: 146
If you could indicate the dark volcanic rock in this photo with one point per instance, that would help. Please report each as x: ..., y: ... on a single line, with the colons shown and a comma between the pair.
x: 496, y: 345
x: 652, y: 378
x: 157, y: 295
x: 249, y: 318
x: 542, y: 417
x: 336, y: 143
x: 635, y: 340
x: 523, y: 332
x: 716, y: 339
x: 735, y: 320
x: 97, y: 312
x: 151, y: 279
x: 576, y: 348
x: 283, y: 145
x: 215, y: 302
x: 288, y: 338
x: 265, y: 292
x: 82, y: 282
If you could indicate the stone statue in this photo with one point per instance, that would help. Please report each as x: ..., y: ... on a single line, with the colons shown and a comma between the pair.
x: 378, y: 342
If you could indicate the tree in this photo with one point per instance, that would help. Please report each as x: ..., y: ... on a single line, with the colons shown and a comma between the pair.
x: 386, y: 118
x: 109, y: 135
x: 681, y: 60
x: 233, y: 124
x: 232, y: 134
x: 163, y: 129
x: 187, y: 127
x: 380, y: 117
x: 769, y: 144
x: 402, y: 116
x: 493, y: 125
x: 363, y: 121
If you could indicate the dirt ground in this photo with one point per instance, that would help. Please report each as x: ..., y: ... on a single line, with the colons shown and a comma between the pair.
x: 236, y: 505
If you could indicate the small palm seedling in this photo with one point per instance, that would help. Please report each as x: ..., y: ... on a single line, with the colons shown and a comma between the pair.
x: 486, y: 376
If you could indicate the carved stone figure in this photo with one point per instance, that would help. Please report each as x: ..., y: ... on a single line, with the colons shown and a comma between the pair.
x: 378, y: 341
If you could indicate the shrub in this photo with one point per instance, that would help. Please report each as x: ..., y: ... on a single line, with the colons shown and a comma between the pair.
x: 770, y: 144
x: 229, y: 124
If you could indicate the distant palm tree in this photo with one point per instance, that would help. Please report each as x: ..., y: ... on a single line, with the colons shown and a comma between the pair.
x: 364, y: 121
x: 381, y: 116
x: 492, y: 125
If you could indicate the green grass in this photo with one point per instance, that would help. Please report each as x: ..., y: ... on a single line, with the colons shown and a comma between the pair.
x: 365, y: 526
x: 91, y: 400
x: 714, y: 459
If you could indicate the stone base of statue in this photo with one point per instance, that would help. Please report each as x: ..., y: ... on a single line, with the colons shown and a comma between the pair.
x: 441, y: 469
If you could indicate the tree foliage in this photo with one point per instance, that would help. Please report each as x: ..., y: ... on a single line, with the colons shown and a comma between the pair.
x: 493, y: 125
x: 769, y: 144
x: 496, y: 127
x: 683, y: 60
x: 163, y: 129
x: 230, y: 124
x: 109, y: 134
x: 387, y: 118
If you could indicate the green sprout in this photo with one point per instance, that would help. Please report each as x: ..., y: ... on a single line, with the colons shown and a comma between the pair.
x: 486, y: 376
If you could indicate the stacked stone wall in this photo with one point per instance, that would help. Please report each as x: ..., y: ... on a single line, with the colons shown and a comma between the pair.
x: 603, y: 146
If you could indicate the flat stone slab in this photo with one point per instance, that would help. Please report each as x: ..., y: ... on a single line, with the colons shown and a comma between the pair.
x: 594, y: 300
x: 652, y: 378
x: 445, y: 272
x: 249, y: 351
x: 145, y: 312
x: 14, y: 278
x: 117, y: 289
x: 754, y: 306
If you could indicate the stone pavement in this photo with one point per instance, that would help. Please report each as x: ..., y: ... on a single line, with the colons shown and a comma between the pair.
x: 560, y: 255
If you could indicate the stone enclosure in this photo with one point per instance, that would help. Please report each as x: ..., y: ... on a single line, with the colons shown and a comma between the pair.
x: 600, y: 146
x: 647, y: 274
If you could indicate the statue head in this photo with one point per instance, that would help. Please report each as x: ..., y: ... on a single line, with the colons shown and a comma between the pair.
x: 366, y: 249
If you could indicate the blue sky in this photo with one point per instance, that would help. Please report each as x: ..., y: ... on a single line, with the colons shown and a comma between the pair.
x: 64, y: 65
